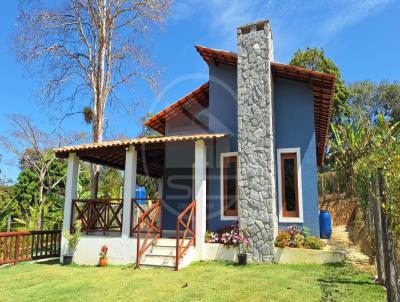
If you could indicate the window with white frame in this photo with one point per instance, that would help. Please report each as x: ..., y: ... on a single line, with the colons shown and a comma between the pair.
x: 289, y: 185
x: 229, y: 185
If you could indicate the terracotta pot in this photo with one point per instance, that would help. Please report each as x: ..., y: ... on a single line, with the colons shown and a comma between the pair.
x: 103, y: 261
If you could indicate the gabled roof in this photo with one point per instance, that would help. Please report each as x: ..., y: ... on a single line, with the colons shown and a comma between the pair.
x: 189, y: 105
x: 323, y: 85
x: 217, y: 56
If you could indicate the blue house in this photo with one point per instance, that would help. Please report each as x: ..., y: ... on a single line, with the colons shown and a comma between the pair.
x: 244, y: 146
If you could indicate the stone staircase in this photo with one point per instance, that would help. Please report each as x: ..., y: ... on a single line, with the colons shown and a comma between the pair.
x: 163, y: 253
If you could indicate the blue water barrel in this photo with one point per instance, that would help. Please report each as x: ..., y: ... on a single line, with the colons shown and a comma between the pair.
x: 141, y: 193
x: 325, y: 224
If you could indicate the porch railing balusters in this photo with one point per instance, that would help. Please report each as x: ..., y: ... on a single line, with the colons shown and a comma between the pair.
x: 97, y: 215
x: 181, y: 248
x: 23, y: 246
x: 150, y: 219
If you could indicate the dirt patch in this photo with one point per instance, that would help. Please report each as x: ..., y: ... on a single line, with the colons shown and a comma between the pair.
x: 343, y: 211
x: 361, y: 236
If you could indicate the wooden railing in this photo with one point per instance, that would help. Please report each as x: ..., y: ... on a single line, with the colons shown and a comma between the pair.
x: 23, y: 246
x: 184, y: 220
x: 97, y: 215
x: 139, y: 206
x: 148, y: 221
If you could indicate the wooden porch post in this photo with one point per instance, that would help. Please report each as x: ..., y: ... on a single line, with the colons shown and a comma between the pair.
x: 129, y: 189
x: 71, y: 188
x: 200, y: 166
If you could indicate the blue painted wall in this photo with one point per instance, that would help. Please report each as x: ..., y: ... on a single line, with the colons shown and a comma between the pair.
x: 294, y: 127
x: 222, y: 119
x: 179, y: 158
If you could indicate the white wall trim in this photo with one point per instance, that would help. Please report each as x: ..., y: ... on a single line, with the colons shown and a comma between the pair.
x: 221, y: 176
x: 283, y: 219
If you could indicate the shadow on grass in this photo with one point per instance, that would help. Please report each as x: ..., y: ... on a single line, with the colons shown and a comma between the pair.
x: 336, y: 279
x: 346, y: 281
x: 53, y: 261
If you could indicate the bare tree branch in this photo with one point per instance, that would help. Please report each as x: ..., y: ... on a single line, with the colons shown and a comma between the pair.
x: 84, y: 49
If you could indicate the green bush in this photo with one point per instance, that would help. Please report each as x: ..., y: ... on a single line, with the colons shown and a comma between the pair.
x: 292, y: 237
x: 314, y: 243
x: 283, y: 239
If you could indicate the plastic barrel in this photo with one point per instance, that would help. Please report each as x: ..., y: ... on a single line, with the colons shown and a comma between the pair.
x: 141, y: 193
x: 325, y: 224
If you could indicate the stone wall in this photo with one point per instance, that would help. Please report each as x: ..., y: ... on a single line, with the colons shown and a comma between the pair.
x: 257, y: 195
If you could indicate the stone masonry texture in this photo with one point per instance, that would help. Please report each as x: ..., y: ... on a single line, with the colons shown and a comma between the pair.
x: 257, y: 195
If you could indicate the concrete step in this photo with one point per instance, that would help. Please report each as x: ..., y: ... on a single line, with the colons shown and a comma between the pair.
x: 151, y: 266
x: 158, y: 260
x: 168, y: 242
x: 163, y: 250
x: 161, y: 254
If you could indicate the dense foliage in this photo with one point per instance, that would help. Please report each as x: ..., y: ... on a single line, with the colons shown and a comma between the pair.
x: 315, y: 59
x: 361, y: 148
x: 377, y: 98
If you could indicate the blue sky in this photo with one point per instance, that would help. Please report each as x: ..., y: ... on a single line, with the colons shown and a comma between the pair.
x: 361, y: 36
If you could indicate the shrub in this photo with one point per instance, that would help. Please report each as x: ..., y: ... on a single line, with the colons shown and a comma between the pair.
x: 313, y: 243
x: 292, y: 237
x: 283, y: 239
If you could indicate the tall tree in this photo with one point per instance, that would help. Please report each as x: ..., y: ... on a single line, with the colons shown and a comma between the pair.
x: 350, y: 141
x: 34, y: 150
x: 377, y: 98
x: 315, y: 59
x: 86, y: 49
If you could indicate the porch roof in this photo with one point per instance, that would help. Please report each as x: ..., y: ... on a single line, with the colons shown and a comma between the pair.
x: 150, y: 158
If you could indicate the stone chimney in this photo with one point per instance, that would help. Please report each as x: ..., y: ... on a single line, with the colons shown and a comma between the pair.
x: 257, y: 194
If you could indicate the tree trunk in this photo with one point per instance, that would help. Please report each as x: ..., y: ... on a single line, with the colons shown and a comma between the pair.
x: 100, y: 93
x: 388, y: 246
x: 41, y: 189
x: 377, y: 225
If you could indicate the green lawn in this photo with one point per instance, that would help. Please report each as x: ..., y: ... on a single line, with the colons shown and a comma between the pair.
x: 210, y: 281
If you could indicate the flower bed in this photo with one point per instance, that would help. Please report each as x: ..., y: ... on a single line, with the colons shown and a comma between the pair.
x: 231, y: 237
x: 292, y: 237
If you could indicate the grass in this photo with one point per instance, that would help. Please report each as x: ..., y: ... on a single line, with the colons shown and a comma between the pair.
x: 210, y: 281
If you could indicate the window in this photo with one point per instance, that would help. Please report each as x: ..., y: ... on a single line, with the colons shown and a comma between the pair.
x: 289, y: 183
x: 229, y: 186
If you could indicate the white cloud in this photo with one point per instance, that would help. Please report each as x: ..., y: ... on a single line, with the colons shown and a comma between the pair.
x: 347, y: 13
x: 293, y: 21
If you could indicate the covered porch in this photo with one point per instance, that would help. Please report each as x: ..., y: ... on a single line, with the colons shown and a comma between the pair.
x: 134, y: 224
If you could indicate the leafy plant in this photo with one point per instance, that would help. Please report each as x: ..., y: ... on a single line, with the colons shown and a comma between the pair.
x: 103, y: 251
x: 73, y: 238
x: 292, y: 237
x: 244, y: 245
x: 283, y: 239
x: 314, y: 243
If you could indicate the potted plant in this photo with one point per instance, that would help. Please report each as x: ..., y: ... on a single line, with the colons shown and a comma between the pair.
x: 244, y: 247
x: 72, y: 239
x: 103, y: 256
